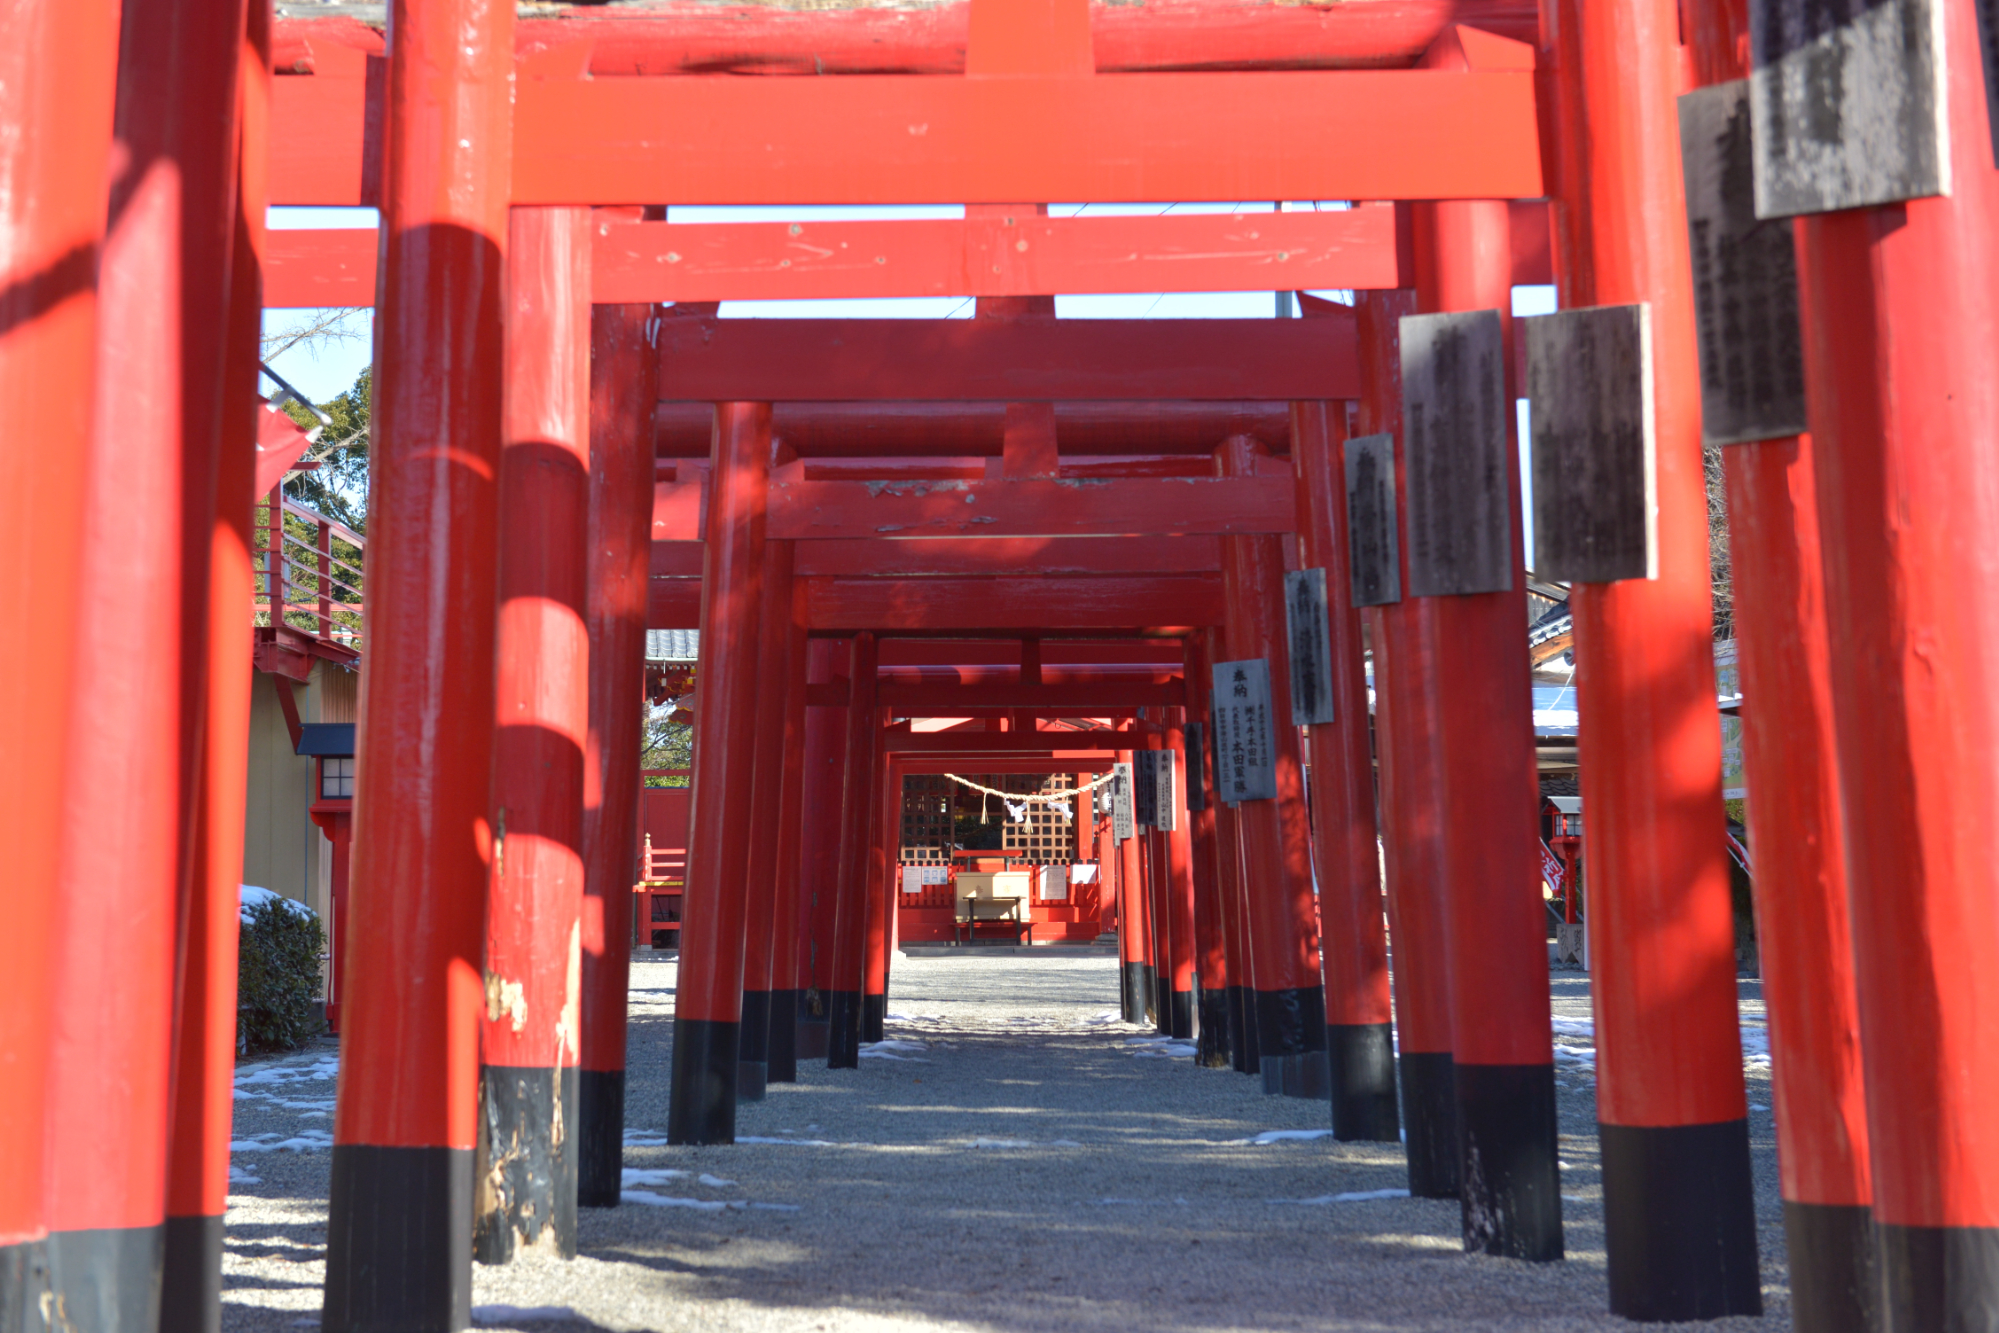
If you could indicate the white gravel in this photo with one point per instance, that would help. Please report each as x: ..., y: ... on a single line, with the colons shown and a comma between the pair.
x: 1003, y: 1162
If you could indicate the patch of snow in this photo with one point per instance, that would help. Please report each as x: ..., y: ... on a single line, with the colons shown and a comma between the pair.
x: 1757, y: 1106
x: 1575, y: 1198
x: 1283, y: 1136
x: 1001, y: 1143
x: 240, y: 1176
x: 894, y: 1044
x: 306, y: 1140
x: 778, y: 1207
x: 667, y: 1201
x: 657, y: 1175
x: 1353, y: 1196
x: 249, y: 895
x: 716, y: 1182
x: 796, y: 1143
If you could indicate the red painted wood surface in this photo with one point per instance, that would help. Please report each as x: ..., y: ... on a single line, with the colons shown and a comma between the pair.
x: 859, y: 786
x: 858, y: 360
x: 718, y: 840
x: 1282, y: 923
x: 928, y: 429
x: 928, y: 700
x: 130, y: 789
x: 819, y: 833
x: 695, y: 38
x: 1017, y: 556
x: 623, y: 370
x: 774, y: 670
x: 1482, y: 708
x: 1659, y: 915
x: 542, y: 650
x: 1350, y: 134
x: 1406, y: 664
x: 205, y: 1060
x: 1180, y: 871
x: 1019, y: 254
x: 1032, y: 507
x: 1790, y: 752
x: 423, y: 839
x: 659, y: 261
x: 1359, y: 134
x: 1354, y: 945
x: 1002, y: 605
x: 1899, y: 307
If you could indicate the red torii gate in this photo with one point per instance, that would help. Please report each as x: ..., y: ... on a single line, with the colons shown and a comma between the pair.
x: 1899, y: 302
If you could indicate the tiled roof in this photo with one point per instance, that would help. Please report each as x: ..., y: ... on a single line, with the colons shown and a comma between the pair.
x: 673, y: 645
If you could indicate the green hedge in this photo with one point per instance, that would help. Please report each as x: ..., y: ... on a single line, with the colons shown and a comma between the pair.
x: 278, y: 986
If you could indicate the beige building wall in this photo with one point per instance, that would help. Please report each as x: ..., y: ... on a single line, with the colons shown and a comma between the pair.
x: 283, y: 850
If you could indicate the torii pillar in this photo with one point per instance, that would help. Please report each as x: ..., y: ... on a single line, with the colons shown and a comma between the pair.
x: 708, y: 1011
x: 407, y: 1119
x: 1276, y: 835
x: 1901, y: 303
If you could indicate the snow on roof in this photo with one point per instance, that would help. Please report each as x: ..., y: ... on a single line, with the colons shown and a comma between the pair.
x: 673, y: 645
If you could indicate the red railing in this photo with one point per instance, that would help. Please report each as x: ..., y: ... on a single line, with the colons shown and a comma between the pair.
x: 309, y: 572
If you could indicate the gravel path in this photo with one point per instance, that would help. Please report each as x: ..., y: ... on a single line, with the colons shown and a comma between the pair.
x: 1013, y: 1158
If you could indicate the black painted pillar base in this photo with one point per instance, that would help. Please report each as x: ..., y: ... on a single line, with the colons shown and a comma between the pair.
x: 1679, y: 1219
x: 600, y: 1137
x: 25, y: 1289
x: 843, y: 1029
x: 1148, y: 1010
x: 1939, y: 1279
x: 1303, y: 1075
x: 753, y: 1050
x: 1242, y: 1030
x: 1291, y: 1021
x: 701, y: 1105
x: 874, y: 1017
x: 1835, y: 1261
x: 1162, y: 1003
x: 524, y: 1194
x: 754, y: 1038
x: 1133, y: 999
x: 1361, y: 1065
x: 1211, y: 1050
x: 398, y: 1240
x: 1430, y: 1123
x: 1510, y: 1179
x: 813, y: 1039
x: 106, y: 1277
x: 782, y: 1058
x: 190, y: 1277
x: 1180, y: 1008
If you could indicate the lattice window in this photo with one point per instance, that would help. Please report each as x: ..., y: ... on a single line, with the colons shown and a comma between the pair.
x: 1047, y: 836
x: 926, y: 819
x: 931, y: 805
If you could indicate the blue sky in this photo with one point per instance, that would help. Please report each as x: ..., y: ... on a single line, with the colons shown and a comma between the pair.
x: 324, y: 371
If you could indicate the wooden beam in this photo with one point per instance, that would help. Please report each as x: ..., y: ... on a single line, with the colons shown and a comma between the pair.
x: 1002, y: 742
x: 698, y: 37
x: 928, y: 429
x: 1135, y: 506
x: 1161, y: 606
x: 867, y: 139
x: 1007, y: 255
x: 710, y: 360
x: 1359, y: 134
x: 636, y: 262
x: 1022, y: 556
x: 1075, y: 761
x: 928, y: 699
